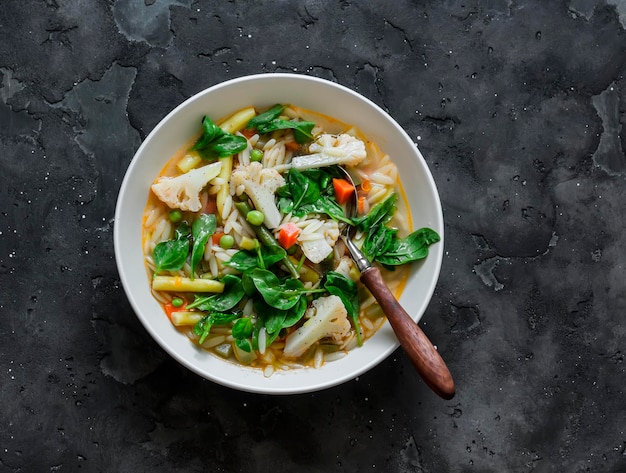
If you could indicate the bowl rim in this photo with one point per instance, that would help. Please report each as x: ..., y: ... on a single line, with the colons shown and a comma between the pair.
x: 435, y: 253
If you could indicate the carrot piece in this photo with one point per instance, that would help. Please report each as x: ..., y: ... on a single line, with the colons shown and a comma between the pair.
x: 169, y: 308
x: 288, y: 235
x: 292, y: 146
x: 366, y: 185
x: 248, y: 132
x: 362, y: 206
x: 215, y: 238
x: 343, y: 190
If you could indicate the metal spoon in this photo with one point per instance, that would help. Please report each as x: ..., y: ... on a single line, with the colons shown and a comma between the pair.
x: 418, y: 347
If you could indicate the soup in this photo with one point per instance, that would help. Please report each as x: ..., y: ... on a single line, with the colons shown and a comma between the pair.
x: 242, y: 237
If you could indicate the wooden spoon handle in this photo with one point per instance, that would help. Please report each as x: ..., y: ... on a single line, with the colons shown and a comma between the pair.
x: 413, y: 340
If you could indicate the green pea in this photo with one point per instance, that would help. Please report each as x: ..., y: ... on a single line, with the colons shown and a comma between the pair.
x: 177, y: 302
x: 176, y: 216
x: 226, y: 242
x: 256, y: 155
x: 255, y: 217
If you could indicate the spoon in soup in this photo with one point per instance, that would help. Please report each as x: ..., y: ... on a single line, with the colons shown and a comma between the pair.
x: 418, y: 347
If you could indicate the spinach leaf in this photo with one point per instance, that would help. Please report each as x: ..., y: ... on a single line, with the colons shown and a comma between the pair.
x: 268, y: 121
x: 210, y: 131
x: 380, y: 214
x: 273, y: 292
x: 243, y: 261
x: 170, y: 255
x: 272, y: 255
x: 227, y: 145
x: 294, y: 314
x: 303, y: 189
x: 203, y: 227
x: 378, y: 240
x: 232, y: 295
x: 203, y: 327
x: 412, y: 248
x: 243, y: 344
x: 242, y: 330
x: 182, y: 231
x: 285, y: 205
x: 266, y: 117
x: 301, y: 130
x: 346, y: 289
x: 310, y: 192
x: 248, y: 284
x: 325, y: 205
x: 216, y: 142
x: 272, y: 319
x: 275, y: 320
x: 265, y: 257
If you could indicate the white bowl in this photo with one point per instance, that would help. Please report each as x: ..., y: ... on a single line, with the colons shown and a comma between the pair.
x: 265, y: 90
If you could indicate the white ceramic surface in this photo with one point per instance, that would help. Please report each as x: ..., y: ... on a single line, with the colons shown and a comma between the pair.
x: 265, y: 90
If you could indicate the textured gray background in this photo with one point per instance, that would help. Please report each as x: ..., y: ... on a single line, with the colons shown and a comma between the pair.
x: 518, y: 107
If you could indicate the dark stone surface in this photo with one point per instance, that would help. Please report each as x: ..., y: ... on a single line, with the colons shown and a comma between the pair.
x: 518, y: 107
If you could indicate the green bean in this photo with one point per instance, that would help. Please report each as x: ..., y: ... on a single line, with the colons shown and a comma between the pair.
x: 266, y: 237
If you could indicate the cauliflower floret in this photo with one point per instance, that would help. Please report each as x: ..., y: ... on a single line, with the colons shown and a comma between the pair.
x: 318, y: 244
x: 328, y: 318
x: 345, y: 267
x: 328, y: 150
x: 183, y: 192
x: 260, y: 184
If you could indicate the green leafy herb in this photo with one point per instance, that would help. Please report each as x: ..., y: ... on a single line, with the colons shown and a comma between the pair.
x: 275, y: 320
x: 231, y: 296
x: 380, y: 214
x: 412, y: 248
x: 202, y: 229
x: 273, y: 292
x: 294, y: 314
x: 243, y: 344
x: 264, y: 257
x: 301, y: 129
x: 310, y: 192
x: 304, y: 190
x: 171, y: 255
x: 268, y: 121
x: 242, y: 330
x: 272, y: 255
x: 378, y: 240
x: 269, y: 317
x: 216, y: 142
x: 325, y: 205
x: 203, y: 327
x: 266, y: 117
x: 243, y: 260
x: 346, y: 289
